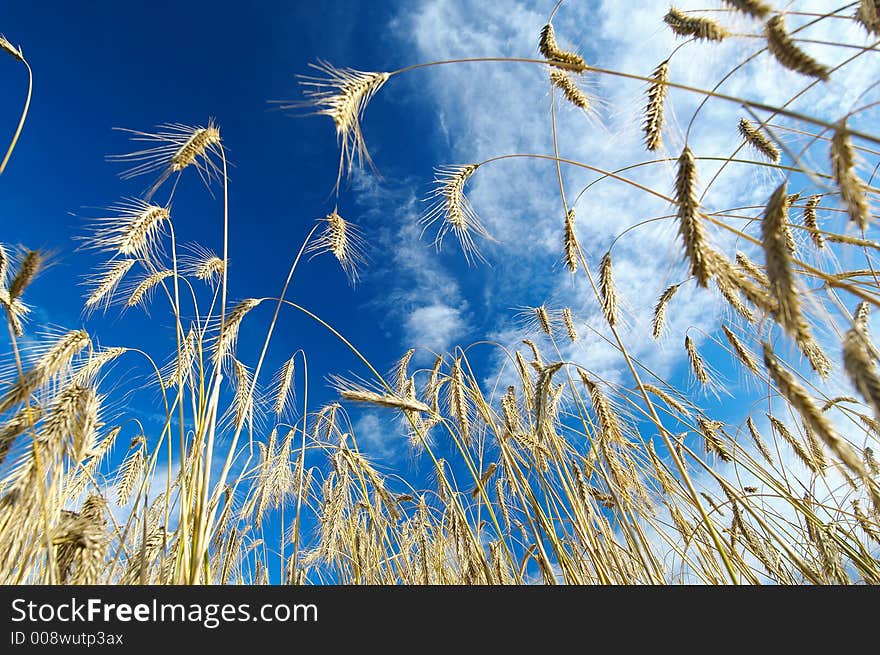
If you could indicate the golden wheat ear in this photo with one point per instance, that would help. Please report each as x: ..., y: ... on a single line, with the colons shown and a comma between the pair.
x: 343, y: 240
x: 6, y: 46
x: 753, y: 8
x: 758, y: 141
x: 653, y: 125
x: 342, y: 94
x: 868, y: 14
x: 704, y: 29
x: 451, y: 208
x: 178, y: 147
x: 785, y: 50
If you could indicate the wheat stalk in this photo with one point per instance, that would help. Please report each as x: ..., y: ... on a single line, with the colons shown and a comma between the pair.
x: 343, y: 94
x: 451, y: 207
x: 759, y: 442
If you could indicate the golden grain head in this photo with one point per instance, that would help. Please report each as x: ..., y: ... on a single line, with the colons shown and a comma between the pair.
x: 758, y: 141
x: 659, y: 318
x: 31, y: 264
x: 450, y: 207
x: 570, y: 242
x: 653, y: 123
x: 754, y: 8
x: 6, y: 46
x: 107, y: 281
x: 342, y: 94
x: 777, y: 255
x: 556, y: 56
x: 690, y: 225
x: 606, y: 290
x: 700, y: 28
x: 786, y: 51
x: 564, y: 81
x: 868, y: 14
x: 174, y: 147
x: 843, y: 168
x: 341, y: 239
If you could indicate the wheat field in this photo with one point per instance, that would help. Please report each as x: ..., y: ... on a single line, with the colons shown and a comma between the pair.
x: 544, y: 470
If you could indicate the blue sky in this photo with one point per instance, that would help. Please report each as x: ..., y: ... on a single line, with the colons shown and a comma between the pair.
x: 101, y: 64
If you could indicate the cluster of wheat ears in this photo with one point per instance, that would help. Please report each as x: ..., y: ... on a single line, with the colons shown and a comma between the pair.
x: 561, y: 477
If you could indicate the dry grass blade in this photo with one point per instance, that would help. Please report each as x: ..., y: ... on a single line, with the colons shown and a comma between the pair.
x: 783, y: 48
x: 758, y: 141
x: 843, y: 168
x: 697, y: 27
x: 653, y: 124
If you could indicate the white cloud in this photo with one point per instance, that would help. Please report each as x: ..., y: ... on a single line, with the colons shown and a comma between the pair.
x: 435, y: 327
